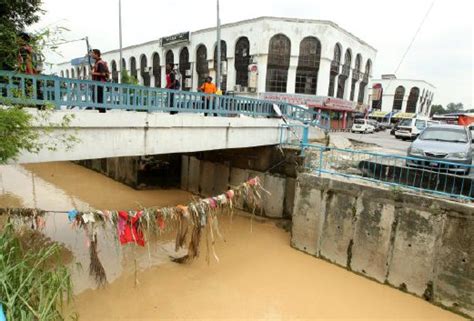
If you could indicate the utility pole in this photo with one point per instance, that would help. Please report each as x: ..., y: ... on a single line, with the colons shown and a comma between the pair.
x: 120, y: 42
x: 218, y: 71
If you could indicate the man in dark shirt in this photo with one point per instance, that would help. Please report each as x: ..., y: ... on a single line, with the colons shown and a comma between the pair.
x: 100, y: 72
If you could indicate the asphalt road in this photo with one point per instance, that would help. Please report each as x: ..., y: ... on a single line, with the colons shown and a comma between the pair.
x: 382, y: 139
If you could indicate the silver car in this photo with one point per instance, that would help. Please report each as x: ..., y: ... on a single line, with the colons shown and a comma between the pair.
x: 448, y: 143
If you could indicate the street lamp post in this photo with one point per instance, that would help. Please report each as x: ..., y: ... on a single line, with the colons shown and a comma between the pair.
x: 218, y: 70
x: 120, y: 42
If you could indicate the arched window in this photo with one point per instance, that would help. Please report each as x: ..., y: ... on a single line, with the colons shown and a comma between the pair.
x: 115, y: 77
x: 184, y: 67
x: 223, y: 64
x: 308, y: 66
x: 364, y: 82
x: 336, y: 62
x: 202, y: 68
x: 156, y: 69
x: 144, y: 71
x: 67, y: 73
x: 72, y: 73
x: 412, y: 100
x: 84, y: 72
x: 170, y: 58
x: 133, y: 67
x: 346, y: 68
x: 78, y: 72
x: 242, y: 61
x: 278, y: 63
x: 377, y: 96
x: 62, y: 73
x: 355, y: 75
x: 398, y: 98
x: 124, y: 64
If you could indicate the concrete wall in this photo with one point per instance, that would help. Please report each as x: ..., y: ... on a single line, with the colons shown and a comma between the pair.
x: 208, y: 178
x: 419, y: 244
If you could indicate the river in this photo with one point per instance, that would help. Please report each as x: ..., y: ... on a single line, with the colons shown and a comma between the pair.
x: 259, y: 276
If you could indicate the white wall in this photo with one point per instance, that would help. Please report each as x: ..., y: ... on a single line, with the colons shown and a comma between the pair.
x: 259, y: 32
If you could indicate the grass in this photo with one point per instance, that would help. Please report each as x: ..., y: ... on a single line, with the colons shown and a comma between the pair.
x: 33, y: 282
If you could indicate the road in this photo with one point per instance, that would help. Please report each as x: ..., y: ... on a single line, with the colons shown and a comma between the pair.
x: 382, y: 139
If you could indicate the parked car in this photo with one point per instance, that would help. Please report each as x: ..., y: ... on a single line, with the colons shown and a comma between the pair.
x: 394, y: 129
x: 362, y: 126
x: 449, y: 143
x: 377, y: 126
x: 411, y: 128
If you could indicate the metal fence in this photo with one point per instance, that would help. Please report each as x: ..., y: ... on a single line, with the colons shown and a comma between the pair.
x: 61, y: 92
x: 449, y: 179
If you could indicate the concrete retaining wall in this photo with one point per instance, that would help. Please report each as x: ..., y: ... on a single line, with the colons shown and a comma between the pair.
x: 209, y: 178
x: 419, y: 244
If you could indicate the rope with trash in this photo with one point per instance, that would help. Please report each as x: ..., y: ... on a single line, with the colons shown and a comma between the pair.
x: 190, y: 221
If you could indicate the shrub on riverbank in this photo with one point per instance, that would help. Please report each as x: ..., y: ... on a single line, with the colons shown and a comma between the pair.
x: 33, y: 281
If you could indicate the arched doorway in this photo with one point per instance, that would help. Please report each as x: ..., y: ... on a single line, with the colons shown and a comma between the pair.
x: 170, y: 58
x: 355, y: 76
x: 412, y: 100
x: 202, y: 68
x: 184, y: 68
x: 308, y: 66
x: 344, y: 76
x: 398, y: 98
x: 242, y: 61
x: 156, y: 69
x: 336, y: 62
x: 223, y: 65
x: 364, y: 82
x: 144, y: 71
x: 133, y: 67
x: 278, y: 63
x: 113, y: 65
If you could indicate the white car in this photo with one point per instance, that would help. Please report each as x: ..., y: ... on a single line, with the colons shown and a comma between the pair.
x: 362, y: 126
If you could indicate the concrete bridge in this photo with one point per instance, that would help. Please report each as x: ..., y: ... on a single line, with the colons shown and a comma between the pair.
x: 138, y: 120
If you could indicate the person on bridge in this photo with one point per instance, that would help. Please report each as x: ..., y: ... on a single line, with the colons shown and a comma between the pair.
x: 208, y: 88
x: 100, y: 72
x: 171, y: 83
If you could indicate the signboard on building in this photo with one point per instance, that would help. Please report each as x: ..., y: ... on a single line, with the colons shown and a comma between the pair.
x: 293, y: 98
x: 177, y: 38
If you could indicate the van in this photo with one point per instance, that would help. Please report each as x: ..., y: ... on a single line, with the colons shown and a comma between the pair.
x: 412, y: 127
x: 362, y: 126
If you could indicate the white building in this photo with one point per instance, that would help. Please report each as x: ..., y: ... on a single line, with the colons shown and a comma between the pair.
x: 406, y: 97
x: 261, y: 55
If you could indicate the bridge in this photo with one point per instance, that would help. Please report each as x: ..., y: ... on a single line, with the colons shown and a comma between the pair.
x: 150, y: 121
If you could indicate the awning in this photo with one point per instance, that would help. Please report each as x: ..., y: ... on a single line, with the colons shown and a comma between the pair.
x: 404, y: 115
x: 379, y: 114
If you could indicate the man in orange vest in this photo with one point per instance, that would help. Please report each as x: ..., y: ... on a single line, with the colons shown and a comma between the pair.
x: 208, y: 88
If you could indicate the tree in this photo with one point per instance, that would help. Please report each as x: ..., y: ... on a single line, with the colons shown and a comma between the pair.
x: 15, y: 17
x: 437, y: 109
x: 454, y: 108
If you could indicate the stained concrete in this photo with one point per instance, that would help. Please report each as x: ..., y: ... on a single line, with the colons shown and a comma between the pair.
x: 274, y: 199
x: 419, y: 244
x: 194, y: 174
x: 184, y: 172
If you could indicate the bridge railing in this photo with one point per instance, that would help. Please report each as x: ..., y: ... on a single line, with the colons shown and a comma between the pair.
x: 62, y: 92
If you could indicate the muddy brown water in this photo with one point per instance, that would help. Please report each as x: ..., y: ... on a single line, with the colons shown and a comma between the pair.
x: 259, y: 276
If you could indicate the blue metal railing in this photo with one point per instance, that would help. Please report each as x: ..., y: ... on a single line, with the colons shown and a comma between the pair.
x: 61, y: 92
x: 449, y: 179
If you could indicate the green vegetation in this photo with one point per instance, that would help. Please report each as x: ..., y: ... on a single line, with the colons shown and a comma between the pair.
x: 128, y: 79
x: 33, y: 283
x: 450, y: 108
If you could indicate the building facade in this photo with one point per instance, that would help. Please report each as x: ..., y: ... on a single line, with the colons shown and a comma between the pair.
x: 403, y: 96
x: 261, y: 55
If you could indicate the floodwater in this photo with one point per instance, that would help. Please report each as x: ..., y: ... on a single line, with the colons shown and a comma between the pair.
x: 259, y: 276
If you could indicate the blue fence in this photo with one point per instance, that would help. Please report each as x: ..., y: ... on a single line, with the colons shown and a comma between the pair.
x: 449, y: 179
x: 433, y: 176
x: 25, y: 89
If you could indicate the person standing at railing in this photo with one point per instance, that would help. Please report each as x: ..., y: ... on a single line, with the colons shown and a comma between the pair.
x: 171, y: 83
x: 208, y: 88
x: 100, y: 72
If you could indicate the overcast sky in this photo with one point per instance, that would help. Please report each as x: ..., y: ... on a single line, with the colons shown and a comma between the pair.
x: 441, y: 53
